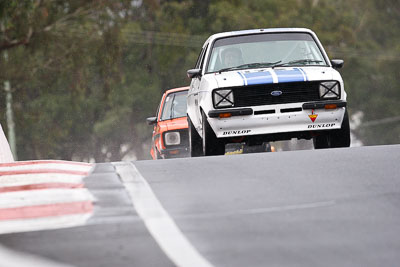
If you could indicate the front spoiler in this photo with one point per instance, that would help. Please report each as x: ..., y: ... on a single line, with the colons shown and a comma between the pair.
x: 312, y: 116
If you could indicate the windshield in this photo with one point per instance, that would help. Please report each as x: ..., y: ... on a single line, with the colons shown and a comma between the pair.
x: 264, y: 50
x: 174, y: 106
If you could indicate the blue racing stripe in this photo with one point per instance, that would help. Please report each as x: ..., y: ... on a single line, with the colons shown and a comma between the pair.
x: 287, y: 76
x: 261, y: 77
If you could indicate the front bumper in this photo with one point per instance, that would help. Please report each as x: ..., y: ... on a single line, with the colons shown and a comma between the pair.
x: 270, y: 119
x: 323, y: 104
x: 176, y: 152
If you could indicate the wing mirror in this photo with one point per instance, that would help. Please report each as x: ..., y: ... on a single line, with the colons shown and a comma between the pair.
x: 337, y: 63
x: 151, y: 120
x: 193, y: 73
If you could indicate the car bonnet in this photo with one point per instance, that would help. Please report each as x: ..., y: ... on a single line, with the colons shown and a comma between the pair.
x: 276, y: 75
x: 177, y: 124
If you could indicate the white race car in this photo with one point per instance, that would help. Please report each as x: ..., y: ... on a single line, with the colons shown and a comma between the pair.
x: 264, y: 85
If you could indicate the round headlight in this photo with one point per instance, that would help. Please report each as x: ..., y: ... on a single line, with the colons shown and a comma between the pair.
x: 172, y: 138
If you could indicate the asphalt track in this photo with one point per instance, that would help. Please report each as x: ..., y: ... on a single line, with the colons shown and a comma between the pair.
x: 333, y: 207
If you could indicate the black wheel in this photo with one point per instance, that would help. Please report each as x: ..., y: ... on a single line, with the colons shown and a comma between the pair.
x: 341, y: 137
x: 321, y: 141
x: 157, y: 154
x: 195, y: 145
x: 211, y: 144
x: 335, y: 138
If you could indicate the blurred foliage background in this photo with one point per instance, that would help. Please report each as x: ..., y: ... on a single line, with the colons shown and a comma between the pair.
x: 85, y: 74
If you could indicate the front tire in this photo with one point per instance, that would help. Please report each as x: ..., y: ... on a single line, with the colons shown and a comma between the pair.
x: 195, y: 145
x: 157, y: 154
x: 321, y: 141
x: 335, y: 138
x: 341, y: 137
x: 211, y: 144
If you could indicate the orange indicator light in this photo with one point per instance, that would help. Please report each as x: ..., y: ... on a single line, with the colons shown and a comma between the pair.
x: 330, y: 106
x: 225, y: 115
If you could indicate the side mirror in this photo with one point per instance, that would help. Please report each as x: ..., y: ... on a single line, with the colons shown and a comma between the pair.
x: 193, y: 73
x: 337, y: 63
x: 151, y: 120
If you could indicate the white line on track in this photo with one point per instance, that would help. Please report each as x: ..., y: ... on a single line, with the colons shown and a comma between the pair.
x: 160, y: 225
x: 46, y: 223
x: 39, y: 178
x: 52, y: 166
x: 12, y: 258
x: 43, y: 197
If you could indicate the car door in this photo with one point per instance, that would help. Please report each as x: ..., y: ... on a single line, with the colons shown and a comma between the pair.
x: 156, y: 130
x: 193, y: 94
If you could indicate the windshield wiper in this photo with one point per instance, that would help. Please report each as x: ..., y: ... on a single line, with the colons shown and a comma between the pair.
x: 299, y: 61
x: 251, y: 65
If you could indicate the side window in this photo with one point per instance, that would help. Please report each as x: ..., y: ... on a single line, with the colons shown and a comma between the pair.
x: 157, y: 112
x: 203, y: 57
x: 159, y: 107
x: 200, y: 60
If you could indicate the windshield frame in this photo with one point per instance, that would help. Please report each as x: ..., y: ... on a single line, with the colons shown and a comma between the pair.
x: 316, y: 41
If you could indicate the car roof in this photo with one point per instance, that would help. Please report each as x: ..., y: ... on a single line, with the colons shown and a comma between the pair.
x: 172, y: 90
x: 255, y: 31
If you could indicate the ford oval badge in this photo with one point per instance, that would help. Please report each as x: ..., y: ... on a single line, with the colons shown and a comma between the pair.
x: 276, y: 93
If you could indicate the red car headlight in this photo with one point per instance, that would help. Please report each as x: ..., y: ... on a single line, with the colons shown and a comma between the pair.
x: 172, y: 138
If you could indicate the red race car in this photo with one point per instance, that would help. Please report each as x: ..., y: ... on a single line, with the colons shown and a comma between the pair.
x: 170, y: 133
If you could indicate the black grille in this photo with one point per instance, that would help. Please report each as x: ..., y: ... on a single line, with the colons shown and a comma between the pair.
x: 257, y: 95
